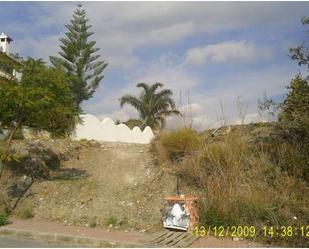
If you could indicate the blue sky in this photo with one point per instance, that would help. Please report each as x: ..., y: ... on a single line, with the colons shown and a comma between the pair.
x: 215, y: 52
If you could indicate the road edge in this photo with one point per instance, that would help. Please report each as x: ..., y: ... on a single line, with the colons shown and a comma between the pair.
x: 56, y: 238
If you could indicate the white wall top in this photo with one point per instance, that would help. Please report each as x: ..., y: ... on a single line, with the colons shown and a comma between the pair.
x: 106, y: 130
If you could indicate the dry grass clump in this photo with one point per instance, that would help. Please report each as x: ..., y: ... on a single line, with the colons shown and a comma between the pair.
x: 174, y: 146
x: 25, y: 212
x: 4, y: 203
x: 242, y: 184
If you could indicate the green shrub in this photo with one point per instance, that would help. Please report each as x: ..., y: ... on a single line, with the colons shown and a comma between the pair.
x: 112, y: 220
x: 3, y: 219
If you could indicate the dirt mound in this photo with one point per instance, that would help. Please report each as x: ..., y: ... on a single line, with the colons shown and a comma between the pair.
x: 113, y: 184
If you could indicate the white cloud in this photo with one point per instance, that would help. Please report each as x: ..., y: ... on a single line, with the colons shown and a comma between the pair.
x: 229, y: 51
x: 251, y: 118
x: 124, y: 114
x: 121, y: 28
x: 166, y: 70
x: 128, y: 31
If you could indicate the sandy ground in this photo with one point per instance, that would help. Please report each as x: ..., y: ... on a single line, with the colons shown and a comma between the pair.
x: 111, y: 182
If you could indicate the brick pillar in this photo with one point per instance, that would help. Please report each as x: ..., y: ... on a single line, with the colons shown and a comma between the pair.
x: 190, y: 204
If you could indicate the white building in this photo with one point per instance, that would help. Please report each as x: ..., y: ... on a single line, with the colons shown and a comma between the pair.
x: 5, y: 41
x: 5, y: 70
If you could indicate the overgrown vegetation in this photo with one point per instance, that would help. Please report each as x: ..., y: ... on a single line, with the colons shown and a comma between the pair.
x: 241, y: 182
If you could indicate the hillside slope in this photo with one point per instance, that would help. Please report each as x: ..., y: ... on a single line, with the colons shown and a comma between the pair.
x: 111, y: 183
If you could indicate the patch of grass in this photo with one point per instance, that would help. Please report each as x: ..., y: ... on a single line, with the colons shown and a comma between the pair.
x: 92, y: 222
x: 25, y: 213
x: 88, y: 143
x: 111, y: 220
x: 124, y: 221
x: 66, y: 177
x: 19, y: 135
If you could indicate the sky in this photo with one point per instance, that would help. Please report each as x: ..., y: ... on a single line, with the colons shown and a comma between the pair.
x: 219, y: 58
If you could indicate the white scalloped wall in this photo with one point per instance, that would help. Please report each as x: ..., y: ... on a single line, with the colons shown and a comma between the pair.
x: 106, y: 130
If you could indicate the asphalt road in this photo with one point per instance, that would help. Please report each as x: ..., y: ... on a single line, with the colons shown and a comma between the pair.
x: 12, y: 242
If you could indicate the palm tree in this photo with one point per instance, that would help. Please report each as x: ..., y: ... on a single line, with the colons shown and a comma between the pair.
x: 153, y: 107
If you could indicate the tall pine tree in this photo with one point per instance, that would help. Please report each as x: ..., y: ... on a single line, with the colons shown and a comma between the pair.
x: 79, y: 58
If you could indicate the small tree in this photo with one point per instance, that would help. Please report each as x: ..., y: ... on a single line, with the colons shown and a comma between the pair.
x: 79, y: 58
x: 41, y: 101
x: 294, y: 115
x: 153, y: 107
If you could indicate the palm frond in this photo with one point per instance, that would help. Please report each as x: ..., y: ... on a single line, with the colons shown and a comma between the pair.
x: 131, y: 100
x: 153, y: 106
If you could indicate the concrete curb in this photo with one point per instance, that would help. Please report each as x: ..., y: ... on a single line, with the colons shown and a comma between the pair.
x: 55, y: 238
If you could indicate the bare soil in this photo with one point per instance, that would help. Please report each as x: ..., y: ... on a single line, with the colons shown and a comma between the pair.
x: 110, y: 184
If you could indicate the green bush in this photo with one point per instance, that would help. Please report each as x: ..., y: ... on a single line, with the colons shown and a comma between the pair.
x: 293, y: 126
x: 3, y: 219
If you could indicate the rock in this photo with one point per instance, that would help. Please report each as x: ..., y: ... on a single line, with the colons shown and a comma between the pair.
x: 235, y: 238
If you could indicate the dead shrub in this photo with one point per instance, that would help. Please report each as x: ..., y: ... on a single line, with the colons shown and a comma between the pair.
x: 25, y: 212
x: 174, y: 146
